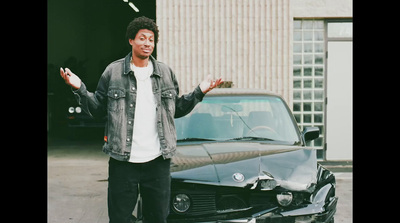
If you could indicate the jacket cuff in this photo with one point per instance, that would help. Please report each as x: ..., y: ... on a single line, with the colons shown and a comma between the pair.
x: 198, y: 93
x: 79, y: 92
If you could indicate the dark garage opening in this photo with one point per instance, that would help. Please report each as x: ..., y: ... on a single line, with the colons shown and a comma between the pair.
x: 85, y: 36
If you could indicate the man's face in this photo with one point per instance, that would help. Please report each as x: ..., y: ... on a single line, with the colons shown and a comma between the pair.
x: 143, y: 44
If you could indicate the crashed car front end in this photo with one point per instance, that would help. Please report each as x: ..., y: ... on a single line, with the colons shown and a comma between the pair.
x: 270, y: 194
x: 241, y: 158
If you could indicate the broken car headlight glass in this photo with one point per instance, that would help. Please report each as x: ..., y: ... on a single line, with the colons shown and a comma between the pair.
x: 284, y: 198
x: 181, y: 203
x: 268, y: 184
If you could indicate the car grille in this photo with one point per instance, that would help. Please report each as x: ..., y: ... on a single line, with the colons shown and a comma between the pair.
x: 202, y: 204
x: 227, y: 201
x: 219, y: 204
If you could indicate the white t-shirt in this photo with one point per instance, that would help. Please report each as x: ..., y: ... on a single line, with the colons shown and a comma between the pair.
x: 145, y: 140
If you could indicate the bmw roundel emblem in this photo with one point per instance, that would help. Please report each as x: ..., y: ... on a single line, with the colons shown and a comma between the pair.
x: 238, y: 177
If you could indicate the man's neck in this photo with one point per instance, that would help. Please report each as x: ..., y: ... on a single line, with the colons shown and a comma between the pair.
x: 138, y: 62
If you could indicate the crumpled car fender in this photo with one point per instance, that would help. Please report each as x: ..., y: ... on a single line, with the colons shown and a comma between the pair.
x: 322, y: 194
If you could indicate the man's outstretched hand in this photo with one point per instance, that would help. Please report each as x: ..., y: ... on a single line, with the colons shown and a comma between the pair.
x: 70, y: 78
x: 208, y: 84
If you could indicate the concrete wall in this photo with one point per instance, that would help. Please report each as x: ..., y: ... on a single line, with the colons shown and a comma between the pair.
x: 246, y: 42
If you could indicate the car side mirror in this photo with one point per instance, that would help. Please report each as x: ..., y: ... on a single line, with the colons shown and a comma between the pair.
x: 310, y: 133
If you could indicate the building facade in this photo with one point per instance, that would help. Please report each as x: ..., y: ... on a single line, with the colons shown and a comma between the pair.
x: 278, y: 45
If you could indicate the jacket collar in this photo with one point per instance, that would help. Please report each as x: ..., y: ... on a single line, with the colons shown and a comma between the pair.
x: 127, y: 65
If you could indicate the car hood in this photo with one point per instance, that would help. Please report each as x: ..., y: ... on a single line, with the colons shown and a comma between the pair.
x: 291, y: 167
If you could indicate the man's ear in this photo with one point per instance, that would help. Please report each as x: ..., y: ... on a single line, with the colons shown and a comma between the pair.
x: 131, y: 41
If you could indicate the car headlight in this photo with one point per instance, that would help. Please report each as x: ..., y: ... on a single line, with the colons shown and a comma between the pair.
x: 78, y: 110
x: 268, y: 184
x: 71, y: 110
x: 284, y: 198
x: 181, y: 203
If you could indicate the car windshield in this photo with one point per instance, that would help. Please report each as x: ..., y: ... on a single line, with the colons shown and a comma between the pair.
x: 223, y: 118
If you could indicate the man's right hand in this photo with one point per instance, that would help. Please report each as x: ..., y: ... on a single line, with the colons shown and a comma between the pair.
x: 70, y: 78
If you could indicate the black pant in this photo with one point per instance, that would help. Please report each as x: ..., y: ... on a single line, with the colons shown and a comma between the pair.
x: 126, y: 179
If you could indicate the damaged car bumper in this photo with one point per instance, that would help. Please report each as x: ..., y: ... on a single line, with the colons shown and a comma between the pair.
x: 320, y: 214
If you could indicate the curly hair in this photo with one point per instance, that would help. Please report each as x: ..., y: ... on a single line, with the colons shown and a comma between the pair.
x: 141, y: 23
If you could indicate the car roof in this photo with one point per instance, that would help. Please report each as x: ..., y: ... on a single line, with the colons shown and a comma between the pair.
x: 240, y: 91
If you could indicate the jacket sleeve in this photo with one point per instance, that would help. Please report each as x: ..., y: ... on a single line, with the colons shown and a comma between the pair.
x: 185, y: 104
x: 94, y: 104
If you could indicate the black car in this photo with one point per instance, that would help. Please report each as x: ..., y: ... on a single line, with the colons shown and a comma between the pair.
x: 79, y: 119
x: 242, y: 158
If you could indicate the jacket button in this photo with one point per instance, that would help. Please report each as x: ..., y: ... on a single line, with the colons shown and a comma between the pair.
x: 131, y: 105
x: 128, y: 139
x: 130, y: 122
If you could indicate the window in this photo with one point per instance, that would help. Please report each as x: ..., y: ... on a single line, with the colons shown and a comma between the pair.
x: 340, y: 29
x: 234, y: 117
x: 308, y: 77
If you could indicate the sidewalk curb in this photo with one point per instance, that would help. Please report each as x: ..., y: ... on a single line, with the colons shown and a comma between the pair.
x: 338, y: 165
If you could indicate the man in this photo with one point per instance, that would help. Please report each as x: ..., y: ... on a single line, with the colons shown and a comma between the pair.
x: 140, y: 97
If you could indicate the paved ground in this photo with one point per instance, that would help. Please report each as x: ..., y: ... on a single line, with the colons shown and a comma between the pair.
x: 77, y: 184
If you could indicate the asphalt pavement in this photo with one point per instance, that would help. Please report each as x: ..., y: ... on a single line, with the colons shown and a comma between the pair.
x: 77, y: 183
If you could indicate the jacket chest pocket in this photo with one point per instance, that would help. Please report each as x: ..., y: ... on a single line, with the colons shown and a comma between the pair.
x: 116, y: 99
x: 168, y: 100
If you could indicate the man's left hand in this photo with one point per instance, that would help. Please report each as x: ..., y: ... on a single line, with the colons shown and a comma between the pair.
x: 208, y: 84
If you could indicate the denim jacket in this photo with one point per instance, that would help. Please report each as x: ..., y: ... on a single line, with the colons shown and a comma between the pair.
x: 115, y: 97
